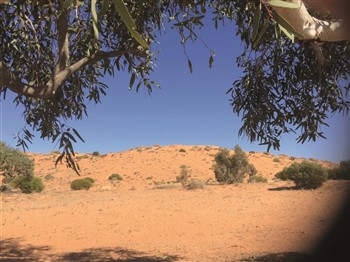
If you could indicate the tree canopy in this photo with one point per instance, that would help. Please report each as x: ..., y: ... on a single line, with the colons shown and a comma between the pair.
x: 54, y: 54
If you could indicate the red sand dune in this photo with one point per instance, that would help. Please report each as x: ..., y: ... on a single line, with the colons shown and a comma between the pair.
x: 148, y: 217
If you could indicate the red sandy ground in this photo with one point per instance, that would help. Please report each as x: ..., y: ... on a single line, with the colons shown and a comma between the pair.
x: 148, y: 217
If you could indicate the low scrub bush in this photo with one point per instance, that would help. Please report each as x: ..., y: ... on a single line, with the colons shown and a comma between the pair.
x: 257, y: 179
x: 81, y: 183
x: 30, y: 185
x: 340, y: 172
x: 114, y: 177
x: 232, y: 169
x: 305, y: 175
x: 195, y: 184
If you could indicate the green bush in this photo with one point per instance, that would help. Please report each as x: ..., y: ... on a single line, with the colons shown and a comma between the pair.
x: 14, y: 163
x: 81, y: 183
x: 305, y: 175
x: 232, y: 169
x: 340, y: 172
x: 30, y: 185
x: 115, y: 177
x: 257, y: 179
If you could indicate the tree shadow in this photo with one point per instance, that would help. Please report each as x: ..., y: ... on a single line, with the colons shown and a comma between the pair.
x: 11, y: 250
x: 282, y: 188
x: 279, y: 257
x: 113, y: 254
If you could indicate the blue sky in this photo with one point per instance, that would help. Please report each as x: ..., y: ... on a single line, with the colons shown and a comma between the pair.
x: 190, y: 109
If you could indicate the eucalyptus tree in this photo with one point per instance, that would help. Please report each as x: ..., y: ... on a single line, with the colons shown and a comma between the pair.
x: 54, y: 54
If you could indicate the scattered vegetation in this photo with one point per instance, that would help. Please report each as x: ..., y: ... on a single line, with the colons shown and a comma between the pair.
x: 185, y: 174
x: 82, y: 157
x: 81, y: 183
x: 182, y: 150
x: 306, y: 175
x: 340, y: 172
x: 257, y: 179
x: 232, y: 169
x: 115, y: 177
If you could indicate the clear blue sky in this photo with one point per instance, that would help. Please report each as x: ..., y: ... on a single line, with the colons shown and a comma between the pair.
x: 190, y: 109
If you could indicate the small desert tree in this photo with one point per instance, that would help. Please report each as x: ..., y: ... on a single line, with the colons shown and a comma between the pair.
x: 232, y: 169
x: 306, y: 175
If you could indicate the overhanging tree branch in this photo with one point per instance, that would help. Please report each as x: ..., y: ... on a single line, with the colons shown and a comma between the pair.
x: 310, y: 27
x: 9, y: 79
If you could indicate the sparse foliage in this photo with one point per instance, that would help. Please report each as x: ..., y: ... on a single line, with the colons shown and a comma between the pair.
x: 185, y: 174
x: 340, y: 172
x: 305, y: 175
x: 232, y: 169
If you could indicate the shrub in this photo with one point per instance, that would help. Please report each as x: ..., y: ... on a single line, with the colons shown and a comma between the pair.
x: 340, y: 172
x: 14, y: 163
x: 195, y: 184
x: 232, y: 169
x: 276, y: 160
x: 30, y: 185
x: 257, y: 179
x: 49, y: 177
x: 115, y: 177
x: 305, y: 175
x: 185, y: 174
x: 81, y: 183
x: 182, y: 150
x: 95, y: 153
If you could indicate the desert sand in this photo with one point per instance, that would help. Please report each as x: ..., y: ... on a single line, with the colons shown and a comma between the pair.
x: 149, y: 217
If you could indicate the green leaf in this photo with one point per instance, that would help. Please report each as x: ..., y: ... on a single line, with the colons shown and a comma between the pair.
x: 129, y: 23
x: 256, y: 22
x: 287, y: 27
x: 190, y: 65
x: 284, y: 4
x: 94, y: 18
x: 132, y: 80
x: 78, y: 135
x: 287, y: 33
x: 262, y: 32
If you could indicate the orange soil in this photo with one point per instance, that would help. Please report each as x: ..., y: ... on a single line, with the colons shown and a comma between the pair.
x: 148, y: 217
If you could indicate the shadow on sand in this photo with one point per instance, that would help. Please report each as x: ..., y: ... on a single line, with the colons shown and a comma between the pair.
x: 11, y: 251
x: 279, y: 257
